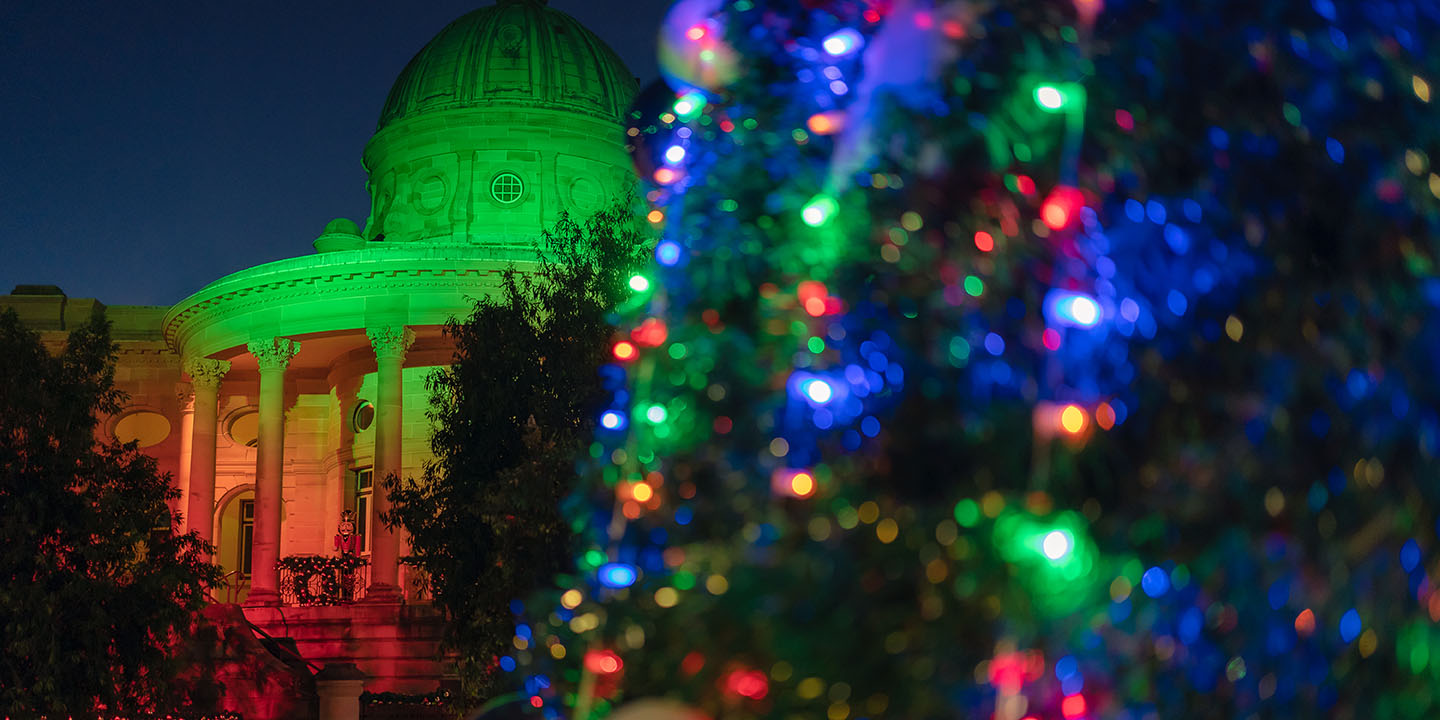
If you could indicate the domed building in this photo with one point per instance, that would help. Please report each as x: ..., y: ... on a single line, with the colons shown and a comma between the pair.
x: 279, y: 395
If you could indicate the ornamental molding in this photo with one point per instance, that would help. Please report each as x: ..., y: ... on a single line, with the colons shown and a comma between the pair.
x: 390, y: 341
x: 273, y: 354
x: 166, y: 359
x: 206, y: 372
x: 185, y: 394
x: 339, y: 280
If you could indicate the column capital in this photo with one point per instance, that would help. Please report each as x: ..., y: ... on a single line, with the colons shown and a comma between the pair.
x: 390, y: 341
x: 205, y: 372
x: 273, y: 353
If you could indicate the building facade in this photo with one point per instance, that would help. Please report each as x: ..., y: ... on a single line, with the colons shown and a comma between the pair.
x: 280, y: 395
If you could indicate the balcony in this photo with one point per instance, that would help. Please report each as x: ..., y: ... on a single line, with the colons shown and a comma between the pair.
x: 317, y: 580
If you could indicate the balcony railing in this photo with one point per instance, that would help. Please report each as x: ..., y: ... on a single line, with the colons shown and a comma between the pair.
x: 319, y: 580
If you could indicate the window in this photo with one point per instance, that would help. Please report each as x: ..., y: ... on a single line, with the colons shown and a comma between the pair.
x: 506, y: 188
x: 363, y: 417
x: 244, y: 428
x: 364, y: 492
x: 247, y: 535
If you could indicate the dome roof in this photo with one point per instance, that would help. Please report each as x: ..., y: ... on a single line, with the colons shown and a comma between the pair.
x: 516, y: 52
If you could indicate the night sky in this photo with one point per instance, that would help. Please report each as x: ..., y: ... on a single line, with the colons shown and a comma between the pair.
x: 152, y: 147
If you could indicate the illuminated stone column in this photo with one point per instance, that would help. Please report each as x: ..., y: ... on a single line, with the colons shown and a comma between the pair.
x: 186, y: 395
x: 205, y: 376
x: 273, y: 356
x: 390, y: 344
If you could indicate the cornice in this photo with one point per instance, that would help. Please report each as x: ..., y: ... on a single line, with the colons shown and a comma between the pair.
x: 452, y: 268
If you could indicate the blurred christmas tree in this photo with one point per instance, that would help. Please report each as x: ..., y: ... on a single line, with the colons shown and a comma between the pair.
x: 1020, y: 359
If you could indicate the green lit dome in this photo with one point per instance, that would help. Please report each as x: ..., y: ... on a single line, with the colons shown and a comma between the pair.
x: 509, y: 116
x: 516, y: 52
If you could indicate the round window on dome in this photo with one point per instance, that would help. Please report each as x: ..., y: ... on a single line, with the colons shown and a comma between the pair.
x: 506, y: 188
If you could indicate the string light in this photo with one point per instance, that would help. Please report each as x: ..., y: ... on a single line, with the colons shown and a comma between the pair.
x: 819, y: 210
x: 842, y: 42
x: 1057, y: 545
x: 1061, y: 207
x: 667, y: 253
x: 1072, y: 419
x: 617, y: 575
x: 1071, y: 309
x: 603, y: 662
x: 1049, y: 98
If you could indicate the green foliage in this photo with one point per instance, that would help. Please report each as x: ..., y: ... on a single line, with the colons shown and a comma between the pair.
x: 510, y: 415
x: 93, y: 596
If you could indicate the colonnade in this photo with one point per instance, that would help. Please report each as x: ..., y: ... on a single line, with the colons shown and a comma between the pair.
x: 273, y: 356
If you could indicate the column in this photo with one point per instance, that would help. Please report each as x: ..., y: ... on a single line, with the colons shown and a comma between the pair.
x: 205, y: 376
x: 273, y: 356
x: 186, y: 395
x: 390, y: 344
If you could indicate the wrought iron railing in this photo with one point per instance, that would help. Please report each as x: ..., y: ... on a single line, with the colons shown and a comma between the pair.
x: 319, y: 580
x: 230, y: 587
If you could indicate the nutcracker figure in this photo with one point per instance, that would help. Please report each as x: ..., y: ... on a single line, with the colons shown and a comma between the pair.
x: 347, y: 544
x: 346, y: 541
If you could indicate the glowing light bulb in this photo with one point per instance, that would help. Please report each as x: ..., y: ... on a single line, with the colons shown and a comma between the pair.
x: 639, y: 283
x: 802, y: 484
x: 651, y: 333
x: 1057, y: 544
x: 617, y: 575
x: 656, y: 414
x: 674, y: 154
x: 1061, y: 207
x: 695, y: 32
x: 818, y: 391
x: 1072, y: 309
x: 1084, y: 311
x: 748, y: 683
x: 1049, y: 97
x: 689, y: 105
x: 612, y: 420
x: 819, y: 210
x: 1072, y: 419
x: 825, y: 123
x: 667, y: 253
x: 842, y: 42
x: 642, y: 492
x: 603, y: 662
x: 624, y: 350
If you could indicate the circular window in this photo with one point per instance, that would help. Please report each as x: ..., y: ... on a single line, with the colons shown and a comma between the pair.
x: 145, y: 428
x: 506, y: 188
x: 244, y: 429
x: 363, y: 417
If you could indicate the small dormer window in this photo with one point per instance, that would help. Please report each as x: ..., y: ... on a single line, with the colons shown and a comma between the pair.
x: 506, y: 188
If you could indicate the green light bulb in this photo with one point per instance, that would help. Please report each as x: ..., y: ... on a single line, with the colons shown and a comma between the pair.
x: 1050, y: 98
x: 819, y: 210
x: 639, y: 283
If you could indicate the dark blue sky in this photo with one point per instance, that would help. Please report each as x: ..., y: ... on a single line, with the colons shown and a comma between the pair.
x: 148, y: 148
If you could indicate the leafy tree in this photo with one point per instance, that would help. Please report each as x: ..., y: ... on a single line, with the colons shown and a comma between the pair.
x: 510, y: 414
x: 93, y: 597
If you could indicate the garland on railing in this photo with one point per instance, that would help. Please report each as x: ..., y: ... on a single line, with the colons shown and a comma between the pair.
x: 438, y: 698
x: 336, y: 575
